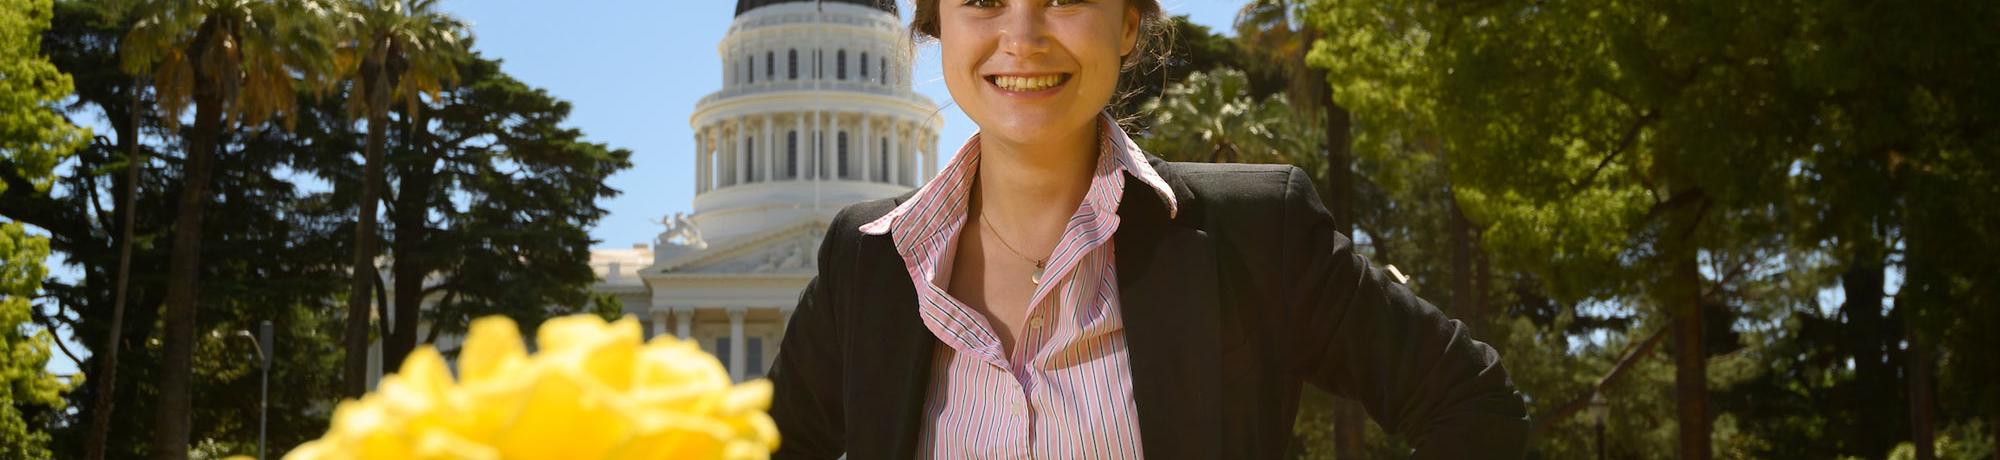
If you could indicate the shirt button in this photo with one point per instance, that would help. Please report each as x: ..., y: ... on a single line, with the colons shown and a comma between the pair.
x: 1035, y: 323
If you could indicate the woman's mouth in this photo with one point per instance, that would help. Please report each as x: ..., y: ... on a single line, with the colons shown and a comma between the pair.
x: 1028, y: 83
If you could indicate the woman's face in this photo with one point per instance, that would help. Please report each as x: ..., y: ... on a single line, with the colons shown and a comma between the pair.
x: 1023, y: 69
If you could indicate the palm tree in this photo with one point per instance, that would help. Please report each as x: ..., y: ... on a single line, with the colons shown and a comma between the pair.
x: 239, y: 63
x: 390, y: 50
x: 1213, y: 112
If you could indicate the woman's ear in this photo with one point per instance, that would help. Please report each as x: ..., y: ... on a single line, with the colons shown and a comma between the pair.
x: 1130, y: 38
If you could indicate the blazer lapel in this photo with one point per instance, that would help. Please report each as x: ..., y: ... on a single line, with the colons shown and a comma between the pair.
x: 888, y: 341
x: 1168, y: 296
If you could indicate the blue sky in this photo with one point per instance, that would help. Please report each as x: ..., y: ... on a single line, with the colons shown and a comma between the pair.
x: 633, y: 69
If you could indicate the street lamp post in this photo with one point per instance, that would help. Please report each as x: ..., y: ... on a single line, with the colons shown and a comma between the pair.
x: 1599, y: 408
x: 264, y: 339
x: 263, y: 343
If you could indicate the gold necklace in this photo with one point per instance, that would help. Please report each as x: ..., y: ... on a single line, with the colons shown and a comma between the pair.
x: 1037, y: 276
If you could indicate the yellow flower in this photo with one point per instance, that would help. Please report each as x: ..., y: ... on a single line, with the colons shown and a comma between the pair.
x: 593, y: 390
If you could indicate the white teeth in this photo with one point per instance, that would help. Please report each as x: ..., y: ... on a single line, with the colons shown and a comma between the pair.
x: 1012, y: 83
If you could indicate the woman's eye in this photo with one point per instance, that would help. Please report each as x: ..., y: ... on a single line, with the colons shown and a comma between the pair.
x: 1066, y: 2
x: 982, y: 3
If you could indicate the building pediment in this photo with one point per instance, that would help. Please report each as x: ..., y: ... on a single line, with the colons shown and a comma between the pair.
x: 786, y: 249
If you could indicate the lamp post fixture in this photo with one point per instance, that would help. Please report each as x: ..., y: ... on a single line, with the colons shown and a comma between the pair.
x: 263, y: 344
x: 1599, y: 409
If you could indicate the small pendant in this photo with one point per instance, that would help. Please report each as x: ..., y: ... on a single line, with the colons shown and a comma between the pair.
x: 1037, y: 277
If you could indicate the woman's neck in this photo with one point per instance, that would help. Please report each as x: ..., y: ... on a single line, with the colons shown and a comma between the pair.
x: 1036, y: 184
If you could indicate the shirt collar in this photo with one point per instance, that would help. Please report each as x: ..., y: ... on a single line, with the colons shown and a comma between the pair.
x: 943, y: 195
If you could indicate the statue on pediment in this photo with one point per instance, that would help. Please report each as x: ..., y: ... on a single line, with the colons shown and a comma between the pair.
x: 680, y: 232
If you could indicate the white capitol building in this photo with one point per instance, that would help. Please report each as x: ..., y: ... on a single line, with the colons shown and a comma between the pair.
x: 816, y: 112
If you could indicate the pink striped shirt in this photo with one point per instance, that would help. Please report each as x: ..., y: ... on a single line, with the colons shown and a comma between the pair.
x: 1066, y: 390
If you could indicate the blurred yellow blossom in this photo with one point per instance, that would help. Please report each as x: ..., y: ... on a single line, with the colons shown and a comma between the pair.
x: 593, y: 390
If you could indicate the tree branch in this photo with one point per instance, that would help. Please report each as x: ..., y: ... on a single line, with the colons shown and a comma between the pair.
x: 47, y: 322
x: 1625, y: 142
x: 1542, y: 424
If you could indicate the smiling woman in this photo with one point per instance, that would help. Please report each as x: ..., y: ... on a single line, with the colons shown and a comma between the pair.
x: 1056, y: 292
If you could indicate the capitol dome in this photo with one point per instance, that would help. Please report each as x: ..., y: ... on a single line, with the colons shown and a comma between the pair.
x: 815, y: 113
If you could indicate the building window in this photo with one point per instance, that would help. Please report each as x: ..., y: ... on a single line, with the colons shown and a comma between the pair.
x: 792, y: 71
x: 864, y: 66
x: 840, y: 65
x: 751, y: 76
x: 750, y: 159
x: 770, y: 64
x: 791, y: 154
x: 840, y: 149
x: 882, y: 162
x: 885, y: 70
x: 819, y: 149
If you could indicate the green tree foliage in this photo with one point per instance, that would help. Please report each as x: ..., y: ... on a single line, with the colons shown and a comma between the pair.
x: 28, y: 393
x: 33, y: 139
x: 514, y: 194
x: 493, y: 203
x: 1707, y: 169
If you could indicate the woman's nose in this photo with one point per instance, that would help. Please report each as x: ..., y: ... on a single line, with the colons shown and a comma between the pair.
x: 1023, y: 32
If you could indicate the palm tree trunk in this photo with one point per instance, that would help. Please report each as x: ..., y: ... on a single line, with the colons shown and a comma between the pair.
x: 1922, y: 431
x: 409, y: 218
x: 107, y: 374
x: 171, y: 423
x: 355, y: 377
x: 1681, y: 296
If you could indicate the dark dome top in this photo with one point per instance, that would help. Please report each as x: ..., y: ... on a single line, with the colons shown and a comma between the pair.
x: 743, y: 6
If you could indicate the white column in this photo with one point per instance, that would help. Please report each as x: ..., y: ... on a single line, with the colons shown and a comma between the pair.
x: 707, y: 160
x: 721, y: 149
x: 737, y: 154
x: 700, y: 165
x: 819, y: 145
x: 840, y: 171
x: 728, y: 168
x: 770, y: 149
x: 736, y: 349
x: 929, y: 147
x: 804, y: 138
x: 718, y: 164
x: 660, y: 318
x: 683, y: 321
x: 896, y: 145
x: 868, y: 152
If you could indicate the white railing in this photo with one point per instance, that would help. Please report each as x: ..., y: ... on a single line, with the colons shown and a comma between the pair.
x: 866, y: 87
x: 770, y: 19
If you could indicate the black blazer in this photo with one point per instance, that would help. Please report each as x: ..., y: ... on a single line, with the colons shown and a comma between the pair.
x: 1247, y: 293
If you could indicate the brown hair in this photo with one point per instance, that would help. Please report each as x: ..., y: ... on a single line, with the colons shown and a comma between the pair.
x: 1152, y: 29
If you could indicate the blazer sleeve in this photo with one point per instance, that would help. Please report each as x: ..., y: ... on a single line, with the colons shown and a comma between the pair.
x: 806, y: 375
x: 1362, y: 336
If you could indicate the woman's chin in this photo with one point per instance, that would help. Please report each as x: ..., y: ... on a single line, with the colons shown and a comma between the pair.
x: 1031, y: 126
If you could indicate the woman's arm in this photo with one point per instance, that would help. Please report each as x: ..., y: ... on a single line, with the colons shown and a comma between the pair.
x: 1359, y: 335
x: 807, y: 374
